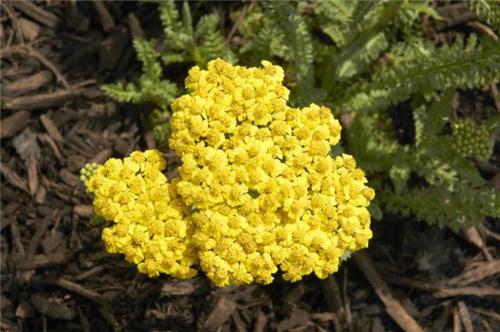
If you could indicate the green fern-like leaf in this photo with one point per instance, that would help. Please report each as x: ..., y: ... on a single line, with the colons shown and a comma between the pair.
x: 362, y: 48
x: 150, y: 87
x: 429, y: 122
x: 175, y: 35
x: 188, y: 44
x: 212, y: 44
x: 335, y: 18
x: 448, y: 67
x: 487, y: 10
x: 290, y: 24
x: 462, y: 208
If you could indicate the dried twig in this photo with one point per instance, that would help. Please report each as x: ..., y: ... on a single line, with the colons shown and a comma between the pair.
x: 80, y: 290
x: 45, y: 138
x: 464, y: 314
x: 484, y: 29
x: 393, y: 307
x: 481, y: 271
x: 51, y: 128
x: 30, y: 51
x: 457, y: 323
x: 44, y: 261
x: 468, y: 291
x: 45, y: 100
x: 489, y: 314
x: 440, y: 290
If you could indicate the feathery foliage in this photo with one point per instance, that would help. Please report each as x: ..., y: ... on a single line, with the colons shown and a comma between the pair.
x: 150, y: 87
x: 184, y: 44
x: 489, y: 11
x: 448, y: 67
x: 187, y: 44
x: 372, y: 60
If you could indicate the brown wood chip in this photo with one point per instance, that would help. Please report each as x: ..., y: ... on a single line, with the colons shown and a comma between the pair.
x: 69, y: 178
x: 180, y: 288
x: 42, y: 261
x: 29, y: 29
x: 37, y: 13
x: 102, y: 156
x: 45, y: 138
x: 112, y: 47
x: 238, y: 321
x: 53, y: 309
x: 51, y: 128
x: 12, y: 124
x: 454, y: 14
x: 297, y: 318
x: 46, y: 100
x: 222, y: 310
x: 32, y: 166
x: 27, y: 84
x: 105, y: 17
x: 261, y: 324
x: 83, y: 210
x: 13, y: 178
x: 457, y: 323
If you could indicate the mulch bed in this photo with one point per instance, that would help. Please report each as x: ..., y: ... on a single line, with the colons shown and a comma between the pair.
x: 55, y: 274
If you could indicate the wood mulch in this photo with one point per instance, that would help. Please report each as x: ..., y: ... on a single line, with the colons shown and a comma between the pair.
x: 55, y: 274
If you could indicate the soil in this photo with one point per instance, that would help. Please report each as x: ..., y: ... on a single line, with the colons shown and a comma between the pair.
x: 55, y: 273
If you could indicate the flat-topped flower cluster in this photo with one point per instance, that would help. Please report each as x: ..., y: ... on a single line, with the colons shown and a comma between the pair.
x: 258, y: 189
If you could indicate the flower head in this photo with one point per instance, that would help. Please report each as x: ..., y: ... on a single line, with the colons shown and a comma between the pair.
x: 258, y: 189
x: 267, y: 192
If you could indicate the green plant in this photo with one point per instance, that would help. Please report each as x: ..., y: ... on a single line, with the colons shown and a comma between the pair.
x: 258, y: 190
x: 375, y: 63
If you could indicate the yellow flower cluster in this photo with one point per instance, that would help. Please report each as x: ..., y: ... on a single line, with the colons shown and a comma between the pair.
x: 258, y: 190
x: 258, y: 174
x: 149, y: 227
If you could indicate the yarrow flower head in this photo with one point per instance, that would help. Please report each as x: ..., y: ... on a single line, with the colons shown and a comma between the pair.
x: 267, y: 192
x: 258, y: 189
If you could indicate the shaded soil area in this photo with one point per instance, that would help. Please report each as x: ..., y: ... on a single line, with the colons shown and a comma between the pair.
x: 55, y: 274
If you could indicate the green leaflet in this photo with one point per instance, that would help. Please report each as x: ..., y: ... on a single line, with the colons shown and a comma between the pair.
x: 150, y: 87
x: 447, y: 67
